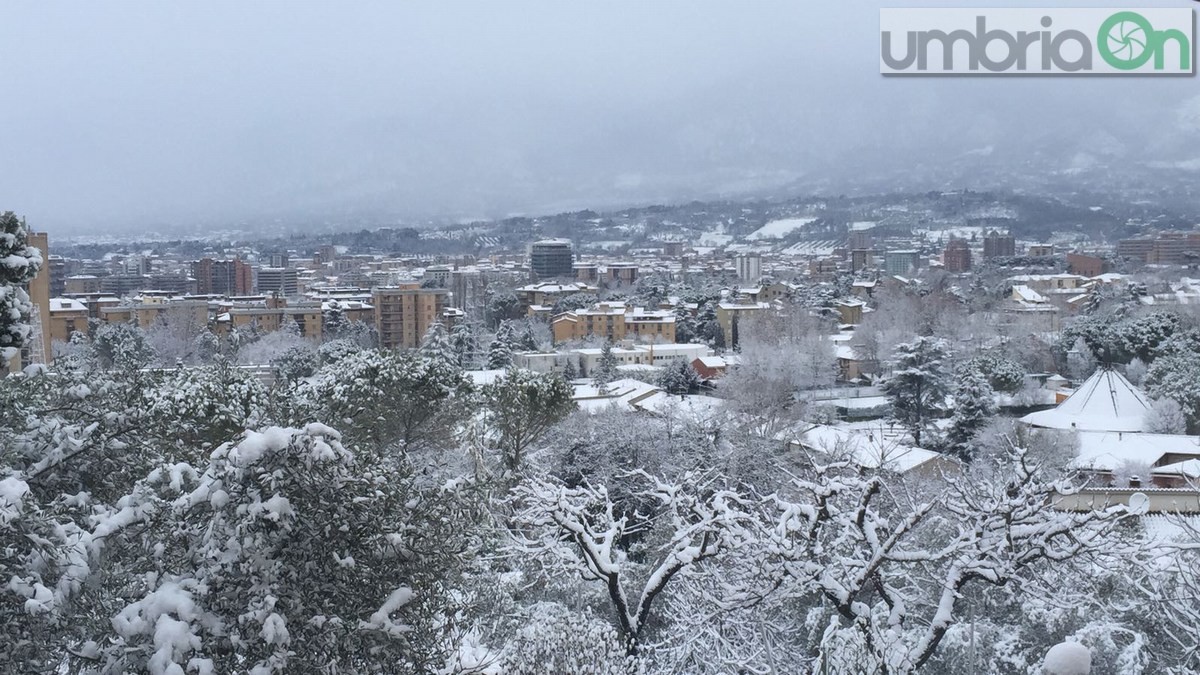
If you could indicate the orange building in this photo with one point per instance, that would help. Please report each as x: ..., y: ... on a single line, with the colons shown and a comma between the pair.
x: 403, y: 313
x: 614, y: 321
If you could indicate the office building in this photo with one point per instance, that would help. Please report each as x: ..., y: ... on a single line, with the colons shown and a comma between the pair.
x: 551, y: 258
x: 282, y: 280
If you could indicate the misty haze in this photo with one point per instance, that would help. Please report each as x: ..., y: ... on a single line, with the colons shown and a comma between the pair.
x: 190, y: 116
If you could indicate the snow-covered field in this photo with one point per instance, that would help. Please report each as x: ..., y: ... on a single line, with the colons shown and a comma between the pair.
x: 778, y: 229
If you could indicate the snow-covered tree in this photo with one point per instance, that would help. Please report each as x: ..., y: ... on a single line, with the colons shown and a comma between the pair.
x: 398, y: 400
x: 919, y: 384
x: 436, y: 344
x: 521, y: 406
x: 1135, y: 372
x: 1002, y: 374
x: 462, y: 341
x: 500, y: 351
x: 1177, y: 377
x: 296, y: 363
x: 974, y: 408
x: 580, y: 531
x: 333, y: 320
x: 19, y: 264
x: 1166, y: 416
x: 606, y: 366
x: 784, y: 359
x: 891, y: 572
x: 122, y: 346
x: 570, y: 368
x: 285, y: 553
x: 678, y: 377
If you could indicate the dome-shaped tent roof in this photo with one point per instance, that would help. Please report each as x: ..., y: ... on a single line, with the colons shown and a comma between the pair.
x: 1106, y: 401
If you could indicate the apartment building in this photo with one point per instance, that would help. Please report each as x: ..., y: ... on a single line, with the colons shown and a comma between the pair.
x: 614, y: 321
x: 404, y: 312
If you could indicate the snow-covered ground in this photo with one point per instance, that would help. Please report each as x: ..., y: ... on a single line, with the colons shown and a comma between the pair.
x: 778, y: 229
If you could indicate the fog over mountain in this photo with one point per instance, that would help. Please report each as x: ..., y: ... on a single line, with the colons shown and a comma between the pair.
x: 188, y: 115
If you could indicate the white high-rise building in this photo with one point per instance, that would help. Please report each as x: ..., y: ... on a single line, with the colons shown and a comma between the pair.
x: 749, y: 267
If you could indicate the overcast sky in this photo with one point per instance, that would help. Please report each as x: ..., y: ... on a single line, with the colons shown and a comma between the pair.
x: 138, y: 114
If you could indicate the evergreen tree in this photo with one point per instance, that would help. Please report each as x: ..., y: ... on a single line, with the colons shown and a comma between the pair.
x: 436, y: 344
x: 918, y: 387
x: 570, y: 370
x: 606, y: 368
x: 521, y: 407
x: 678, y: 377
x: 974, y: 407
x: 528, y: 342
x: 462, y: 340
x: 19, y: 263
x: 334, y: 321
x: 290, y: 327
x: 500, y: 351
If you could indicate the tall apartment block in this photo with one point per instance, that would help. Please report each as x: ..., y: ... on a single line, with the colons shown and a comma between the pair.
x: 223, y: 277
x: 403, y: 313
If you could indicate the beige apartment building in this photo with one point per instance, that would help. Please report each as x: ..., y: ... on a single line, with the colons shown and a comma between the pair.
x: 403, y: 313
x: 615, y: 321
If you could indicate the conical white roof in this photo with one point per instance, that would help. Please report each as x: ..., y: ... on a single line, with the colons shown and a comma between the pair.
x: 1106, y: 401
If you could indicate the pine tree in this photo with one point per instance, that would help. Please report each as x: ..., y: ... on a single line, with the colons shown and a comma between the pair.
x: 19, y: 263
x: 528, y: 342
x: 500, y: 351
x: 290, y: 327
x: 436, y: 344
x: 606, y: 368
x: 570, y: 370
x: 334, y: 320
x: 974, y: 407
x: 462, y: 340
x: 918, y: 387
x: 678, y: 377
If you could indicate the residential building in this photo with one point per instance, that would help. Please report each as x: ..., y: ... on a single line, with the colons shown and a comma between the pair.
x: 614, y: 321
x: 956, y: 257
x: 404, y: 312
x: 270, y: 313
x: 861, y: 258
x: 749, y: 266
x: 37, y: 347
x: 996, y: 245
x: 622, y: 274
x: 1040, y: 250
x: 67, y: 317
x: 587, y: 272
x: 1086, y: 265
x: 81, y: 284
x: 1135, y: 248
x: 730, y: 314
x: 147, y: 310
x: 223, y: 277
x: 545, y: 294
x: 628, y: 354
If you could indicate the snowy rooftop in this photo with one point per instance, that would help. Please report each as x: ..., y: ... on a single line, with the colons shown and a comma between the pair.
x: 1109, y: 451
x: 1105, y: 402
x: 67, y: 305
x: 868, y: 450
